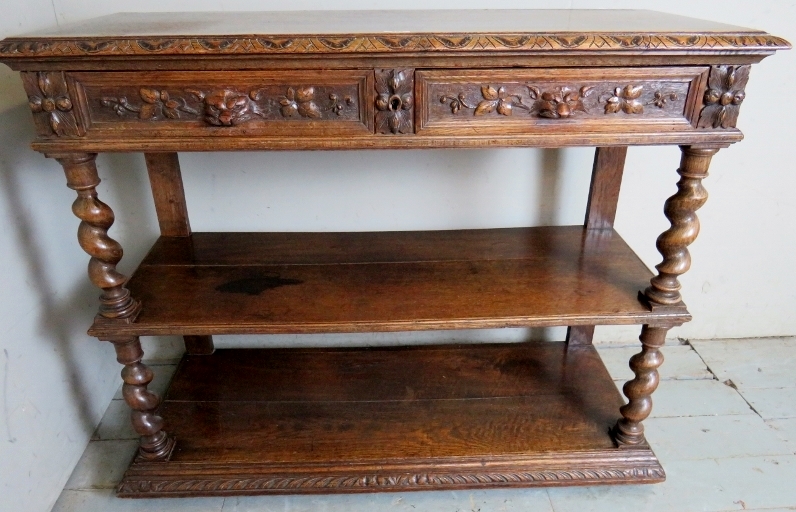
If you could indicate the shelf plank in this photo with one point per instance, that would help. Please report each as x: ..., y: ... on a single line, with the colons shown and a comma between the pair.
x: 239, y: 283
x: 251, y: 421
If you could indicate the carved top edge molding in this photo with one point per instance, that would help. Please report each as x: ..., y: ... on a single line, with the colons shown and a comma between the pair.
x: 392, y: 43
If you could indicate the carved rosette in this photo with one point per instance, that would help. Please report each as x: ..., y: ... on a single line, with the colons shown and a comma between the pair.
x: 626, y: 99
x: 680, y: 209
x: 394, y: 101
x: 560, y: 102
x: 48, y: 99
x: 157, y: 485
x: 300, y: 102
x: 724, y: 96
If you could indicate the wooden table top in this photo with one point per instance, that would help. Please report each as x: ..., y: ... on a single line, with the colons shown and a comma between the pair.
x: 386, y: 31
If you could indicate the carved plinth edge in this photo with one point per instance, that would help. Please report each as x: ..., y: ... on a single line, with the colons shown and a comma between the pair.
x: 225, y: 485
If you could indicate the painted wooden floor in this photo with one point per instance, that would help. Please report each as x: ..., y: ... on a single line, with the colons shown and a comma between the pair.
x: 723, y: 426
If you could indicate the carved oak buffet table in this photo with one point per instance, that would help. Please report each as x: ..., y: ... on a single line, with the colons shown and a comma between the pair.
x: 346, y: 420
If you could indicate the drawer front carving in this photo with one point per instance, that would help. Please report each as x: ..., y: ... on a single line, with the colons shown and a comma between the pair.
x: 511, y: 101
x: 310, y: 103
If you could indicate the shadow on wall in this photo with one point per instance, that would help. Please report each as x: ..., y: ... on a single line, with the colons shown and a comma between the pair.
x: 60, y: 315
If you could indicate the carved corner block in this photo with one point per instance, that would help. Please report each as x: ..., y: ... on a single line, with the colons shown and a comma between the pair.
x: 723, y: 97
x: 53, y: 108
x: 395, y: 101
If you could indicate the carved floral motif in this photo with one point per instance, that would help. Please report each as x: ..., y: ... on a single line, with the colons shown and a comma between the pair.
x: 300, y: 101
x: 225, y: 107
x: 724, y: 96
x: 156, y: 104
x: 559, y: 103
x: 498, y: 100
x: 394, y: 103
x: 625, y: 99
x: 51, y: 101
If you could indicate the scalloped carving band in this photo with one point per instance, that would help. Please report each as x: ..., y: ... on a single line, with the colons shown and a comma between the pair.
x: 157, y: 486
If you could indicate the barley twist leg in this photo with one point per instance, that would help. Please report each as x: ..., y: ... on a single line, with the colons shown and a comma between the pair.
x: 155, y: 444
x: 680, y: 209
x: 92, y: 234
x: 629, y: 430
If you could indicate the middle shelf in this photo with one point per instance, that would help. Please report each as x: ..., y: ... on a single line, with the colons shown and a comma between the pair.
x: 268, y: 283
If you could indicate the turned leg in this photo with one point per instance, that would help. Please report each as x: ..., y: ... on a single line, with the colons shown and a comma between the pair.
x: 96, y: 217
x: 629, y: 431
x: 116, y: 303
x: 155, y: 444
x: 680, y: 209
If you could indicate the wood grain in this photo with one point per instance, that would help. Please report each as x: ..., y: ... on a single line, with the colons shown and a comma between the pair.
x: 606, y: 178
x: 165, y: 179
x: 250, y: 283
x: 316, y: 414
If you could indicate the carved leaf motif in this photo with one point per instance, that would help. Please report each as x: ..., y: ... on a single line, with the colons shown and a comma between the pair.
x: 150, y: 96
x: 305, y: 93
x: 147, y: 111
x: 504, y: 107
x: 55, y: 123
x: 309, y: 109
x: 45, y: 84
x: 289, y: 109
x: 485, y: 107
x: 394, y: 123
x: 632, y: 92
x: 633, y: 107
x: 613, y: 106
x: 489, y: 92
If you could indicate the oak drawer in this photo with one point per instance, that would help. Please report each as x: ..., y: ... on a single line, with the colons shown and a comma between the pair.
x: 510, y: 101
x: 269, y: 103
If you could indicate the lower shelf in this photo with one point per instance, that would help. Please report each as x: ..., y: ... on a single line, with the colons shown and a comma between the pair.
x: 256, y: 421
